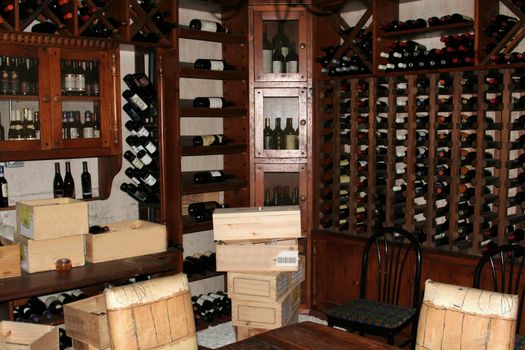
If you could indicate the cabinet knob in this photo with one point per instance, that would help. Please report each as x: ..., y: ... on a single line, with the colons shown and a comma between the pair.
x: 302, y: 122
x: 355, y: 283
x: 56, y: 98
x: 302, y: 198
x: 302, y: 45
x: 46, y: 98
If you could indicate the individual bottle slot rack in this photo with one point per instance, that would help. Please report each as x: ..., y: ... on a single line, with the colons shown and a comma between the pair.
x: 439, y: 154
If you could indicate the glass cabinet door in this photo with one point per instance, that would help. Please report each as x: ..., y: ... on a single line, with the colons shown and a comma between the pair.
x: 280, y: 45
x: 19, y: 100
x: 79, y: 121
x: 280, y: 123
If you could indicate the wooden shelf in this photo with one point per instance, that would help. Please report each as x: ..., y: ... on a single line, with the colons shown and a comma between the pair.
x: 19, y: 97
x: 80, y: 98
x: 226, y: 38
x: 189, y: 187
x: 189, y: 225
x: 186, y: 70
x: 42, y: 283
x: 429, y: 31
x: 212, y: 150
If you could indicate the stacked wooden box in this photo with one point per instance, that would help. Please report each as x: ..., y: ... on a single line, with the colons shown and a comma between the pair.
x: 51, y: 229
x: 28, y: 336
x: 258, y: 247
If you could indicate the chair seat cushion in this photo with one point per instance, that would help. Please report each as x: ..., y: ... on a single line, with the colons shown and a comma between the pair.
x: 372, y: 312
x: 519, y: 344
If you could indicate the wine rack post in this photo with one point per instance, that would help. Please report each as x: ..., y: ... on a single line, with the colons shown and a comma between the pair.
x: 373, y: 174
x: 410, y: 153
x: 431, y: 161
x: 391, y: 151
x: 354, y: 172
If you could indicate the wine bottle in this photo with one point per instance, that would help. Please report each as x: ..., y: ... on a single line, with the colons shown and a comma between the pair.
x: 85, y: 179
x: 58, y: 183
x: 279, y: 136
x: 54, y: 305
x: 46, y: 27
x: 136, y: 101
x: 281, y: 41
x: 209, y: 140
x: 65, y: 298
x: 292, y: 60
x: 278, y: 60
x: 207, y: 26
x: 194, y: 208
x: 210, y: 64
x: 130, y: 157
x: 269, y: 138
x: 210, y: 102
x: 4, y: 197
x: 289, y: 135
x: 69, y: 183
x: 211, y: 176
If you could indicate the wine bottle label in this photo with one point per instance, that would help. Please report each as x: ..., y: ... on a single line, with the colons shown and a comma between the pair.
x: 200, y: 301
x: 288, y: 258
x: 344, y: 179
x: 3, y: 190
x: 291, y: 67
x: 215, y: 102
x: 134, y: 148
x: 267, y: 61
x: 96, y: 133
x: 37, y: 134
x: 69, y: 82
x: 139, y: 102
x: 277, y: 67
x: 150, y: 180
x: 73, y: 133
x: 142, y: 132
x: 87, y: 132
x: 80, y: 82
x: 135, y: 180
x: 146, y: 159
x: 137, y: 163
x: 150, y: 147
x: 209, y: 26
x: 290, y: 141
x: 208, y: 140
x: 284, y: 51
x: 216, y: 65
x: 215, y: 173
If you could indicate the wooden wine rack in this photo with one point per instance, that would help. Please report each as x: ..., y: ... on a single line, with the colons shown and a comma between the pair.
x: 419, y: 211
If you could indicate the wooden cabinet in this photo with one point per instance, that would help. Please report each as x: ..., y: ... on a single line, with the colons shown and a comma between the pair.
x: 280, y: 156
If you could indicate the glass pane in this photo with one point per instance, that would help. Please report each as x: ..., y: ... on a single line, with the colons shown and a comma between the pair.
x: 19, y: 108
x: 80, y: 78
x: 279, y: 46
x: 281, y: 123
x: 281, y: 188
x: 80, y: 119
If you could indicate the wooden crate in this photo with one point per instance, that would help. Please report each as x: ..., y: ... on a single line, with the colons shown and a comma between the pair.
x: 51, y: 218
x: 242, y: 333
x: 264, y: 256
x: 126, y: 239
x: 261, y: 223
x: 87, y: 321
x: 78, y: 345
x: 37, y: 256
x: 263, y: 286
x: 27, y: 336
x: 9, y: 261
x: 271, y: 315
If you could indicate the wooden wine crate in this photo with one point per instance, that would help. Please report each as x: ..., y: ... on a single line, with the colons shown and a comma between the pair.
x: 271, y: 315
x: 242, y: 333
x: 263, y: 286
x: 126, y: 239
x: 86, y: 320
x: 27, y: 336
x: 9, y: 261
x: 37, y: 256
x: 51, y: 218
x: 261, y: 223
x: 262, y: 256
x: 78, y: 345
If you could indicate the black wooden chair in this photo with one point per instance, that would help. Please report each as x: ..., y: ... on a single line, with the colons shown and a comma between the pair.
x: 505, y: 265
x: 397, y: 258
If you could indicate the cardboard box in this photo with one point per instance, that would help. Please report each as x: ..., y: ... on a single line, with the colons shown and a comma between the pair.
x: 126, y: 239
x: 261, y: 223
x: 9, y: 261
x: 258, y: 314
x: 263, y: 286
x: 264, y: 256
x: 27, y: 336
x: 51, y: 218
x: 242, y: 333
x: 37, y: 256
x: 78, y: 345
x: 87, y: 321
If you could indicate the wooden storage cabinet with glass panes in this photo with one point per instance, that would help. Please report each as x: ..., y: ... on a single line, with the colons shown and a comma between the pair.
x: 280, y: 115
x: 58, y: 103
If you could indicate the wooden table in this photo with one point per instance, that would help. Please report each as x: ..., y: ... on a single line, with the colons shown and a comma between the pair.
x: 308, y: 336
